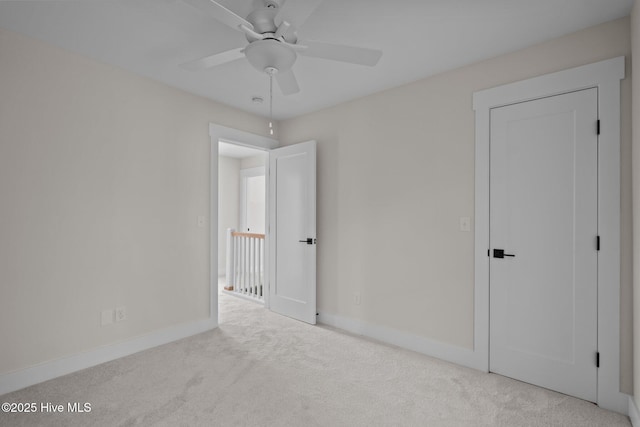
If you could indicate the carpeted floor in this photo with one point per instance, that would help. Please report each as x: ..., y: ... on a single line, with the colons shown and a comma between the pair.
x: 262, y: 369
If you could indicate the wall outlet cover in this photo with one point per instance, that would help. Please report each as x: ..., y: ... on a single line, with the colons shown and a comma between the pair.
x: 121, y: 314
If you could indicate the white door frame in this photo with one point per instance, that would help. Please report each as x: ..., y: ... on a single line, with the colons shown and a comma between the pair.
x: 605, y: 76
x: 219, y: 133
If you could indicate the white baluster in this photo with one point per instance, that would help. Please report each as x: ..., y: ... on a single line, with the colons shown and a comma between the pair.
x: 255, y: 268
x: 244, y: 265
x: 249, y: 278
x: 256, y: 242
x: 229, y: 271
x: 238, y: 244
x: 240, y: 262
x: 260, y: 268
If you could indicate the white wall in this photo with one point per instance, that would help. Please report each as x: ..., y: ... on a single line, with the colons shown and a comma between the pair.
x: 395, y: 174
x: 102, y: 177
x: 228, y: 204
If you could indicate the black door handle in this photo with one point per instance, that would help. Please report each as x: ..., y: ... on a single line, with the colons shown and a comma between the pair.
x: 308, y: 241
x: 499, y: 253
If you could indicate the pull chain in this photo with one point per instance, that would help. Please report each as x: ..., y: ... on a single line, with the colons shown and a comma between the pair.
x: 271, y: 103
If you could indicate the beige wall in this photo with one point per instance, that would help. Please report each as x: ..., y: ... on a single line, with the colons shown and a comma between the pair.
x: 635, y: 43
x: 228, y: 204
x: 395, y: 174
x: 102, y: 177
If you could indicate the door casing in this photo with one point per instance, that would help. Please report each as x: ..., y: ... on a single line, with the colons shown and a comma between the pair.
x: 605, y: 76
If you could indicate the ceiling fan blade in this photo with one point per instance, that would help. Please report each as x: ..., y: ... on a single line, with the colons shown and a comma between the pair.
x: 287, y: 82
x: 214, y: 60
x: 337, y: 52
x: 296, y: 12
x: 220, y: 13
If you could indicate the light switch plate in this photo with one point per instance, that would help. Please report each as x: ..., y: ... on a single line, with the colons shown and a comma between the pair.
x: 465, y: 223
x: 201, y: 221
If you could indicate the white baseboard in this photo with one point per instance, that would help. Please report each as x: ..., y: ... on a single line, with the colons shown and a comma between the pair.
x: 439, y: 350
x: 634, y: 414
x: 17, y: 380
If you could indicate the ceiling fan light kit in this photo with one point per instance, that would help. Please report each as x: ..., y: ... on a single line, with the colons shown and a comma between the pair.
x: 269, y: 54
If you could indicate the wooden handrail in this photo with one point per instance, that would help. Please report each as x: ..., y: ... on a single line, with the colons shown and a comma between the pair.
x: 250, y: 235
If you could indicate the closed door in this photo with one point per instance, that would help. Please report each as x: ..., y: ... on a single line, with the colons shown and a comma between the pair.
x: 543, y: 235
x: 253, y: 200
x: 292, y: 237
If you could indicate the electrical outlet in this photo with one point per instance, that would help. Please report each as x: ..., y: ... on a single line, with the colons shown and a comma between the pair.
x: 107, y: 317
x: 356, y: 298
x: 121, y: 314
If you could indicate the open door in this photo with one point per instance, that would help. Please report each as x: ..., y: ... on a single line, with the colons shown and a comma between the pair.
x: 292, y: 234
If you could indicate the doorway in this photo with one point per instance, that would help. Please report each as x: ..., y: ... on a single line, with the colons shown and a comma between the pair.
x: 290, y: 225
x: 241, y: 220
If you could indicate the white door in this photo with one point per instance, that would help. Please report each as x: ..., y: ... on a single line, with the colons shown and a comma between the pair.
x: 292, y: 234
x: 255, y: 204
x: 543, y: 209
x: 252, y: 200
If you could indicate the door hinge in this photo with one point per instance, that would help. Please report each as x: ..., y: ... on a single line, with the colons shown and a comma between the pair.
x: 598, y: 127
x: 597, y: 359
x: 597, y: 243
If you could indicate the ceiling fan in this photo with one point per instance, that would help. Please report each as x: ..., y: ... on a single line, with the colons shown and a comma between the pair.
x: 271, y: 30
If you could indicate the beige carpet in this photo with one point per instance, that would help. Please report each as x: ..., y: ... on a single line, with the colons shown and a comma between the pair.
x: 261, y: 369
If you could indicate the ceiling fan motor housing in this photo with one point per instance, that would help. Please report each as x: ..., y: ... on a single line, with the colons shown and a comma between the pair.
x: 270, y: 53
x: 262, y: 20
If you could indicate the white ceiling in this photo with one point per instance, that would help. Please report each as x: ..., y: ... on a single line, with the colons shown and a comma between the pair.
x: 419, y: 38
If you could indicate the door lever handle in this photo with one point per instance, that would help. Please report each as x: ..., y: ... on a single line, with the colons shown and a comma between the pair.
x: 308, y: 241
x: 499, y: 253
